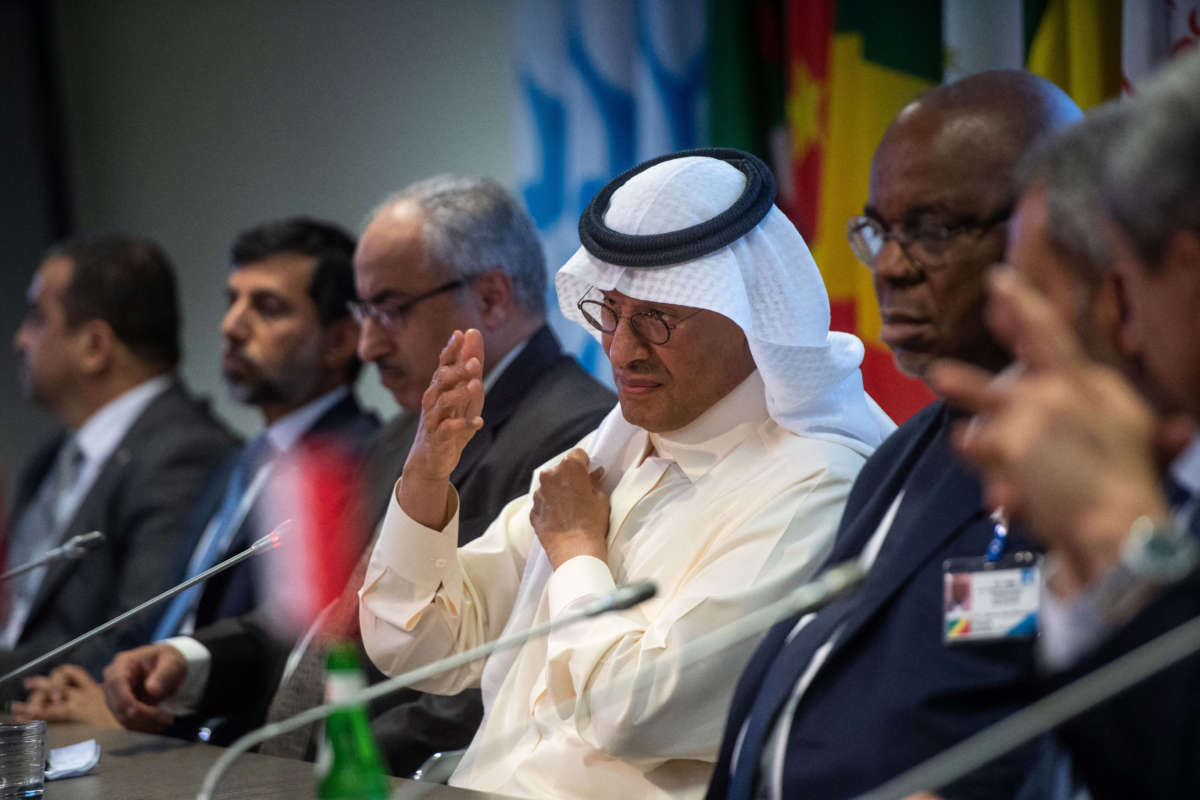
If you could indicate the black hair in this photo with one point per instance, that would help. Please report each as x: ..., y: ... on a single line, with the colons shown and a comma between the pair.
x: 331, y: 286
x: 129, y: 283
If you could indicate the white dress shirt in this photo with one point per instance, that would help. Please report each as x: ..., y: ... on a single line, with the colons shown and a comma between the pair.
x: 775, y: 753
x: 724, y: 515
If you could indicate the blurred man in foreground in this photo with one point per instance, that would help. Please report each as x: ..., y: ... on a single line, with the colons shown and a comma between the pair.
x: 1075, y: 450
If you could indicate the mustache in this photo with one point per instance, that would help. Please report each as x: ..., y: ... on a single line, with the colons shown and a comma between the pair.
x: 639, y: 369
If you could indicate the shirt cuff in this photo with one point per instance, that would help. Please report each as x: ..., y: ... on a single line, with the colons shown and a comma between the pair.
x: 186, y: 698
x: 413, y: 551
x: 1069, y: 628
x: 576, y: 579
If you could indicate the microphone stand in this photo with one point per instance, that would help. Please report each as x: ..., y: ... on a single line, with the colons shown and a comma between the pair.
x: 268, y: 542
x: 621, y: 598
x: 830, y: 584
x: 75, y: 547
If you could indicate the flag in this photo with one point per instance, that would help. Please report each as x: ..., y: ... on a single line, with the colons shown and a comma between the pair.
x: 1076, y: 44
x: 601, y: 87
x: 316, y: 486
x: 879, y: 58
x: 810, y: 86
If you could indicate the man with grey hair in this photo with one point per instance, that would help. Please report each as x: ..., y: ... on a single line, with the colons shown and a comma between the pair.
x: 1079, y: 452
x: 446, y: 253
x: 1057, y: 240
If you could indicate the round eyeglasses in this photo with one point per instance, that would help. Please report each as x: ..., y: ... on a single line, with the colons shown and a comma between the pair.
x: 650, y: 326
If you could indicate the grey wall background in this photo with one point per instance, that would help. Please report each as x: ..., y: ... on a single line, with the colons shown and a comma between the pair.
x: 188, y: 121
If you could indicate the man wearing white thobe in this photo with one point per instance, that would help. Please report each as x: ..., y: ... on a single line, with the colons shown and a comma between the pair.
x: 721, y: 477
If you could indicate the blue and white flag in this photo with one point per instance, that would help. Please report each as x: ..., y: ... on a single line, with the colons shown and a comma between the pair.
x: 602, y: 86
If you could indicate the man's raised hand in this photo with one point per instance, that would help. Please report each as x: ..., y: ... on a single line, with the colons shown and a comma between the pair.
x: 449, y: 418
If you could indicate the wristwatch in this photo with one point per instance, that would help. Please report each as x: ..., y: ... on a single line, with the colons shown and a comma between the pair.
x: 1158, y: 553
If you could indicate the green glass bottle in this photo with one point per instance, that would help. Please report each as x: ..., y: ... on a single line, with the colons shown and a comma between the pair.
x: 348, y: 763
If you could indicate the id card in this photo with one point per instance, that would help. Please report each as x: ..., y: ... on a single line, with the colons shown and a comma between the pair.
x: 990, y: 600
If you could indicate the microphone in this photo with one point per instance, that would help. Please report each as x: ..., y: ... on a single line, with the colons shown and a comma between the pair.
x: 826, y: 587
x: 623, y: 597
x: 268, y: 542
x: 74, y: 548
x: 1037, y: 718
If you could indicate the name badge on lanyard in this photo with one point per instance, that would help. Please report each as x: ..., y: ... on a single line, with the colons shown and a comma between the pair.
x: 994, y: 596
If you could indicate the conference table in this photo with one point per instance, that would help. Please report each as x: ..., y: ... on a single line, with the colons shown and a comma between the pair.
x: 140, y: 766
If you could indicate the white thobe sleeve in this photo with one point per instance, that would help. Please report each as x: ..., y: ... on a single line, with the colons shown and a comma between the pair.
x: 675, y: 709
x: 424, y: 598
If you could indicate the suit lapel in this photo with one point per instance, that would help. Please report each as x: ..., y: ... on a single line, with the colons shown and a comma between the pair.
x: 940, y: 497
x: 504, y: 397
x: 92, y: 512
x: 385, y: 461
x: 90, y: 515
x: 777, y: 675
x: 32, y: 476
x: 856, y: 531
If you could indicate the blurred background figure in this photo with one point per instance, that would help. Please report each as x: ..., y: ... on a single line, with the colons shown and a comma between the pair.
x: 98, y: 349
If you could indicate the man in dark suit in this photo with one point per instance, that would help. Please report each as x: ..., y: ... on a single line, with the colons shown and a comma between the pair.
x: 1074, y: 446
x: 833, y: 704
x: 290, y: 351
x: 98, y: 348
x: 444, y: 254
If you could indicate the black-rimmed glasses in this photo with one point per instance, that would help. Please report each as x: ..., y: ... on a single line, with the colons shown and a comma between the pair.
x: 390, y: 314
x: 924, y: 245
x: 649, y: 326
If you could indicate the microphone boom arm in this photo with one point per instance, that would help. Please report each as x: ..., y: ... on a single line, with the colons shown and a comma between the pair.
x: 75, y: 547
x: 267, y: 542
x: 830, y: 584
x: 622, y: 597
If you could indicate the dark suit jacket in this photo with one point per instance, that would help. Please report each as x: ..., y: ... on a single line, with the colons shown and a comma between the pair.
x: 541, y: 405
x: 140, y: 500
x: 891, y: 694
x: 1144, y: 742
x: 235, y: 591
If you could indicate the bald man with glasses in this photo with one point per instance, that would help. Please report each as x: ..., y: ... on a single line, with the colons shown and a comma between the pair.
x: 835, y: 703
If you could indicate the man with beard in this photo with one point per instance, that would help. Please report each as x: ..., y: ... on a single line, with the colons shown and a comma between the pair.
x: 741, y: 424
x: 443, y: 253
x: 290, y: 351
